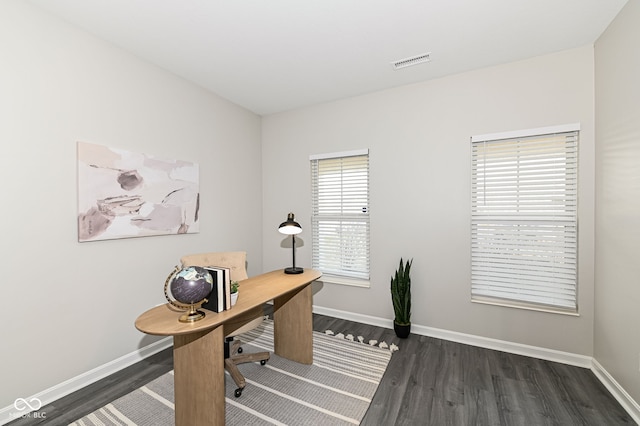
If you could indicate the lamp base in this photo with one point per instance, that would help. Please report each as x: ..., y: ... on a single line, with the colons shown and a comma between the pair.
x: 293, y: 270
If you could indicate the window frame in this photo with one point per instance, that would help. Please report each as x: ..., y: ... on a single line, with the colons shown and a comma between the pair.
x: 337, y: 202
x: 559, y: 215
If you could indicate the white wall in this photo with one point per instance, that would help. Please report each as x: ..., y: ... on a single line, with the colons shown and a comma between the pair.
x: 617, y: 306
x: 418, y: 137
x: 69, y: 307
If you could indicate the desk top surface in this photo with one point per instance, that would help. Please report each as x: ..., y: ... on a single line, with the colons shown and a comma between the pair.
x: 255, y: 291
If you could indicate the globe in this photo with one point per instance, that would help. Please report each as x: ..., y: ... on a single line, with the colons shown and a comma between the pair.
x: 189, y: 286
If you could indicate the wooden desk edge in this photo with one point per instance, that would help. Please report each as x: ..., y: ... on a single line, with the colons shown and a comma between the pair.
x: 163, y: 320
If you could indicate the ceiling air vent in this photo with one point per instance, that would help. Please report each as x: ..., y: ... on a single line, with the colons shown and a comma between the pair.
x: 414, y: 60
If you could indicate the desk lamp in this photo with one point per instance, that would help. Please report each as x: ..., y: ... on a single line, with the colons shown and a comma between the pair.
x: 291, y: 227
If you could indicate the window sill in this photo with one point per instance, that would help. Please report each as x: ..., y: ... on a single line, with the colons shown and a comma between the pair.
x: 526, y: 306
x: 353, y: 282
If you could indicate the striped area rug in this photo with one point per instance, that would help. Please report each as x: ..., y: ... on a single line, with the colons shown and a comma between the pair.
x: 336, y: 390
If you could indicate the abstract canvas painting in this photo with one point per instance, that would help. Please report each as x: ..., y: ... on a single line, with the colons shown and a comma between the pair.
x: 123, y: 194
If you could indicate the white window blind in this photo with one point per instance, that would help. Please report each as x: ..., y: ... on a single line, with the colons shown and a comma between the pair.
x: 524, y: 241
x: 340, y: 214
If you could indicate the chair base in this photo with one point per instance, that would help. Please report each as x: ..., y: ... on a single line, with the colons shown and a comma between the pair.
x: 236, y: 357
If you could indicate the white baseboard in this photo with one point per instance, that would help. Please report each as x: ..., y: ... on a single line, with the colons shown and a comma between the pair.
x: 505, y: 346
x: 365, y: 319
x: 467, y: 339
x: 617, y: 391
x: 584, y: 361
x: 58, y: 391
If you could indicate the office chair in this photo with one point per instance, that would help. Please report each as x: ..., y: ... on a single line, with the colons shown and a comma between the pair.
x: 236, y: 261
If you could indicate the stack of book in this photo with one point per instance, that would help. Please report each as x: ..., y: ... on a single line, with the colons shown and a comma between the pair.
x: 220, y: 297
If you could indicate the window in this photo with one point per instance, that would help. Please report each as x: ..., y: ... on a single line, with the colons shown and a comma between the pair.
x: 524, y: 241
x: 340, y: 216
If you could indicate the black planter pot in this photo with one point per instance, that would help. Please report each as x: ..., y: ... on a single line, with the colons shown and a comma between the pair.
x: 402, y: 331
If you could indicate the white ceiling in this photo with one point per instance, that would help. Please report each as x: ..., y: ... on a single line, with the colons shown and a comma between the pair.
x: 276, y: 55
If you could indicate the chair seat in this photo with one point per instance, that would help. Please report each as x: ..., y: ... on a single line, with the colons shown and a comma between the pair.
x: 247, y: 327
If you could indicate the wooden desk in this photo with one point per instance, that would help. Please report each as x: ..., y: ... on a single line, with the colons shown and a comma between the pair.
x: 198, y: 348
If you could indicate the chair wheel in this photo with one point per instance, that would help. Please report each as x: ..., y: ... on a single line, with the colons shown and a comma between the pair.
x: 263, y: 361
x: 238, y: 392
x: 240, y: 350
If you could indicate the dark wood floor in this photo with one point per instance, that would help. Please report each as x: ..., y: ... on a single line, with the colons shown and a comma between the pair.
x: 428, y: 382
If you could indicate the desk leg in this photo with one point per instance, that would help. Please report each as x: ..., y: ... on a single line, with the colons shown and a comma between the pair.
x: 293, y: 326
x: 198, y: 363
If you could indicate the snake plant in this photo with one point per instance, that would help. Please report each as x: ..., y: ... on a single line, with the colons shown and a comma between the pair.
x: 401, y: 293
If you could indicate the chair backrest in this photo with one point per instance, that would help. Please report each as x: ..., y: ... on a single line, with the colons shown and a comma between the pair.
x: 235, y: 260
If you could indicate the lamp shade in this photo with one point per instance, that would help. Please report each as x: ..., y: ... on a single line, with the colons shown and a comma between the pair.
x: 290, y: 226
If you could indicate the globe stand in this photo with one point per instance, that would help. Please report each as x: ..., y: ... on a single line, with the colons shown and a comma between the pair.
x: 193, y: 315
